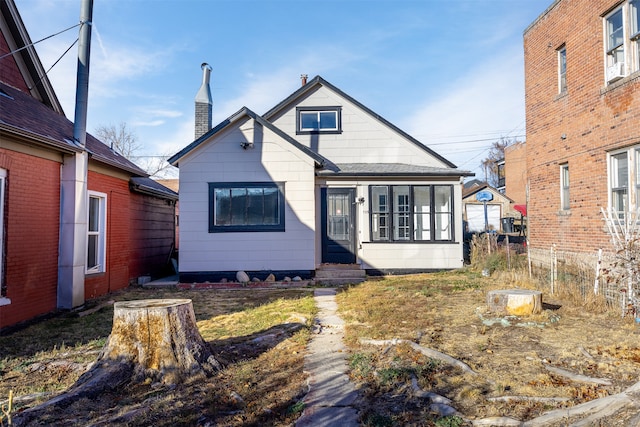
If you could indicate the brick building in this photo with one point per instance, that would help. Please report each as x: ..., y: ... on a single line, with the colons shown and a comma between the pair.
x: 582, y: 88
x: 128, y: 222
x: 515, y: 172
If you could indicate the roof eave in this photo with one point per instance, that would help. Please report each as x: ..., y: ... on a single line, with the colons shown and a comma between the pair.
x: 32, y: 138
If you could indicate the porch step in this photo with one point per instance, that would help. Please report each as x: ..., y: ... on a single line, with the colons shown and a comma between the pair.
x: 339, y: 274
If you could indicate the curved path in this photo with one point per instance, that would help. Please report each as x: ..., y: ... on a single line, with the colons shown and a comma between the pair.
x: 331, y: 396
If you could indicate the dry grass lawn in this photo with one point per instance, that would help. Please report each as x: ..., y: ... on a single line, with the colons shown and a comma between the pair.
x: 445, y: 312
x: 260, y: 336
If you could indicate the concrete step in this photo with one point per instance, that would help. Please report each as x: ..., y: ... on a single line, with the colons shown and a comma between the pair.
x: 339, y: 274
x: 336, y: 274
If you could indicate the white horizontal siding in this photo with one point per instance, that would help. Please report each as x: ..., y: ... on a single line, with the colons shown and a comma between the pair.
x: 364, y: 139
x: 411, y: 256
x: 224, y: 160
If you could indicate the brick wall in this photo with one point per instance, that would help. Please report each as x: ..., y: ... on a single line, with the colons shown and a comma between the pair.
x: 31, y: 240
x: 515, y: 160
x: 577, y: 128
x: 117, y: 274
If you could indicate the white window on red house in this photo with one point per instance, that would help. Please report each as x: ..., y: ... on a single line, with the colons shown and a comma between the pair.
x: 619, y: 181
x: 3, y: 285
x: 562, y: 69
x: 96, y: 233
x: 622, y: 43
x: 564, y: 187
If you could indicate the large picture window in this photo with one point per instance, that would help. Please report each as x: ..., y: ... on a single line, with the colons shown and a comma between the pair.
x: 237, y: 207
x: 96, y: 233
x: 411, y: 213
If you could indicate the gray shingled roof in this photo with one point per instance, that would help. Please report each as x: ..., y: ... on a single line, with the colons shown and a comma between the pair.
x: 391, y: 169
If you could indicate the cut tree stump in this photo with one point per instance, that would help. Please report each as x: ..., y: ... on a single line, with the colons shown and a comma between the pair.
x: 516, y: 302
x: 160, y: 338
x: 151, y: 340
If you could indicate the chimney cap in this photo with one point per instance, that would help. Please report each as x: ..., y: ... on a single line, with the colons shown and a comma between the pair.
x: 204, y: 64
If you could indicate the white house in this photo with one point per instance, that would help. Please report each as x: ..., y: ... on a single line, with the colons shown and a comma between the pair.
x: 318, y: 180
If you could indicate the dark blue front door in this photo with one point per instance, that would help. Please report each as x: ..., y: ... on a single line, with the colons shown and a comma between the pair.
x: 338, y: 225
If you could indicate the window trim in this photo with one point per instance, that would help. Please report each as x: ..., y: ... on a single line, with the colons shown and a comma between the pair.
x: 565, y: 182
x: 280, y: 227
x: 3, y: 197
x: 562, y: 69
x: 619, y: 68
x: 301, y: 131
x: 391, y: 212
x: 101, y: 265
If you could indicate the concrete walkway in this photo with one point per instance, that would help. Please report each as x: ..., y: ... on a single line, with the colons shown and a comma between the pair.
x: 331, y: 396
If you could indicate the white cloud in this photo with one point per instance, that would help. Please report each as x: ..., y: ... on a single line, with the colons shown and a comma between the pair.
x: 485, y: 103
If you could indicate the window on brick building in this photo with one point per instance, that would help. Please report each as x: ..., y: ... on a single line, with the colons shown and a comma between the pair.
x: 564, y: 187
x: 96, y: 233
x: 562, y: 69
x: 619, y: 181
x: 622, y: 44
x: 3, y: 284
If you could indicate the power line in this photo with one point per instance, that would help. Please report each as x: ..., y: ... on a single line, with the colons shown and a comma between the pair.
x: 41, y: 40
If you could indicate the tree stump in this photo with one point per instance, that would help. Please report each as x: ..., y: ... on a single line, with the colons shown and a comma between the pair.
x: 151, y: 340
x: 160, y: 338
x: 516, y: 302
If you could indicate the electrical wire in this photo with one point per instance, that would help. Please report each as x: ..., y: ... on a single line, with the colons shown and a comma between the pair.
x: 41, y: 40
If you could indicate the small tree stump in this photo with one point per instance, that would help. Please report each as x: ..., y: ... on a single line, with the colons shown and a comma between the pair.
x: 160, y: 338
x: 516, y: 302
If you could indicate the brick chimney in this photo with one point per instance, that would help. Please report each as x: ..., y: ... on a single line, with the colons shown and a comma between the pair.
x: 303, y: 79
x: 204, y: 103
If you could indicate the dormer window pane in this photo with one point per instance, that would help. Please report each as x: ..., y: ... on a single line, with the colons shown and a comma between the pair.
x: 325, y: 119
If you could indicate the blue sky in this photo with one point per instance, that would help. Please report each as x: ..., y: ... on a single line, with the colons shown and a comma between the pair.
x: 450, y: 73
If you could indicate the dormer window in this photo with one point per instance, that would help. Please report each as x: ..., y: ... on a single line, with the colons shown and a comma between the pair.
x: 319, y: 120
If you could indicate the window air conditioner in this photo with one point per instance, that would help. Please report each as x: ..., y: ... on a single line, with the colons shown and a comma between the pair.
x: 615, y: 72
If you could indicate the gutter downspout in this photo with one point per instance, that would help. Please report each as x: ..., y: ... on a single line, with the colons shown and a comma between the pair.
x: 72, y: 252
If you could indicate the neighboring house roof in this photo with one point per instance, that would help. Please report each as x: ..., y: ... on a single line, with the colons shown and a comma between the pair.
x: 319, y: 81
x: 474, y: 183
x: 245, y: 112
x: 34, y: 113
x: 171, y: 183
x: 390, y: 169
x: 19, y: 40
x: 153, y: 188
x: 468, y: 192
x: 26, y: 117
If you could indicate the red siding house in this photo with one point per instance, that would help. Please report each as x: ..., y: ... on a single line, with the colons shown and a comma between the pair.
x: 129, y: 226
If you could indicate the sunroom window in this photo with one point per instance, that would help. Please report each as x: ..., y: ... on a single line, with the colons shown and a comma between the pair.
x: 411, y: 213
